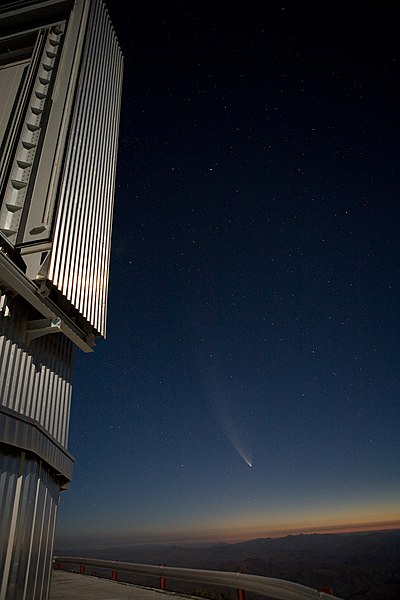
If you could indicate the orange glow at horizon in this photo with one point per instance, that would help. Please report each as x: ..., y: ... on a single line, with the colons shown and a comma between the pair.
x: 290, y: 521
x: 319, y: 529
x: 235, y: 527
x: 232, y: 528
x: 187, y: 536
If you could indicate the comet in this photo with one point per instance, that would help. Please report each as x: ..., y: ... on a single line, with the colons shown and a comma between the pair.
x: 245, y: 457
x: 233, y: 436
x: 223, y: 412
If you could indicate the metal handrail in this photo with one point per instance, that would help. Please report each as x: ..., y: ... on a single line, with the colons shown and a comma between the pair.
x: 276, y: 589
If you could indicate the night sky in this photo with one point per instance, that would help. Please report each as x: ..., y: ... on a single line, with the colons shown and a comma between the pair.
x: 249, y: 383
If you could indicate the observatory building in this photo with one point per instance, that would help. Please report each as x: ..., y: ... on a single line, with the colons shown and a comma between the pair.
x: 60, y: 93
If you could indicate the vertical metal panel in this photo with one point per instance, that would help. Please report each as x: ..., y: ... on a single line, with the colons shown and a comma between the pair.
x: 32, y: 549
x: 29, y: 498
x: 8, y: 479
x: 8, y: 550
x: 36, y: 379
x: 81, y: 249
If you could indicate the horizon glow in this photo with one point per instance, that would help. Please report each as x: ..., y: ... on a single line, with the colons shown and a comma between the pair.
x: 236, y: 529
x: 210, y: 536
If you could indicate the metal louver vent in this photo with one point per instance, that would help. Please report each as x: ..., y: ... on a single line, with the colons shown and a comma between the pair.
x: 18, y: 182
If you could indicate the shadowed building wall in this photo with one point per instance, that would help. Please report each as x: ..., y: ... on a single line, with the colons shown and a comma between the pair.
x: 60, y: 91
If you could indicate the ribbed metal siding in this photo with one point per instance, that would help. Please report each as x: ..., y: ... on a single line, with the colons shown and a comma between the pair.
x: 81, y: 249
x: 36, y: 380
x: 28, y: 507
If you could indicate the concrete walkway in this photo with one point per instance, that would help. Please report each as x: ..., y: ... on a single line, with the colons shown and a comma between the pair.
x: 71, y: 586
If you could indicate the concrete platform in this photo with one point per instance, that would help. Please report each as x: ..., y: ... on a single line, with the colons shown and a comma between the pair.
x: 72, y: 586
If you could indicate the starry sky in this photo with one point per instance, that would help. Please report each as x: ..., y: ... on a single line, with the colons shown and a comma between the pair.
x: 249, y: 382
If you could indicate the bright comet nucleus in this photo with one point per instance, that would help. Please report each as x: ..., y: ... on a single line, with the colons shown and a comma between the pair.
x: 245, y: 455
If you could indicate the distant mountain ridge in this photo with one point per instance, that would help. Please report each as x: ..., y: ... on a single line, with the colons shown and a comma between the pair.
x: 356, y: 565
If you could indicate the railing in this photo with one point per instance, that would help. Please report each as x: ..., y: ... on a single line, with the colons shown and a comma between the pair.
x: 276, y: 589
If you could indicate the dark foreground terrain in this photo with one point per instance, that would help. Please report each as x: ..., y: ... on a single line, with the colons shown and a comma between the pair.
x: 356, y: 565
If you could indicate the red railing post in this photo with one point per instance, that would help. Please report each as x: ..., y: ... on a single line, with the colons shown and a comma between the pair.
x: 114, y: 575
x: 162, y: 580
x: 82, y: 569
x: 241, y: 595
x: 58, y: 566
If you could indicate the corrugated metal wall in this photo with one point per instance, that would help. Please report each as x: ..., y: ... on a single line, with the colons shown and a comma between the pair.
x: 81, y: 249
x: 28, y: 507
x: 35, y: 377
x: 36, y: 380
